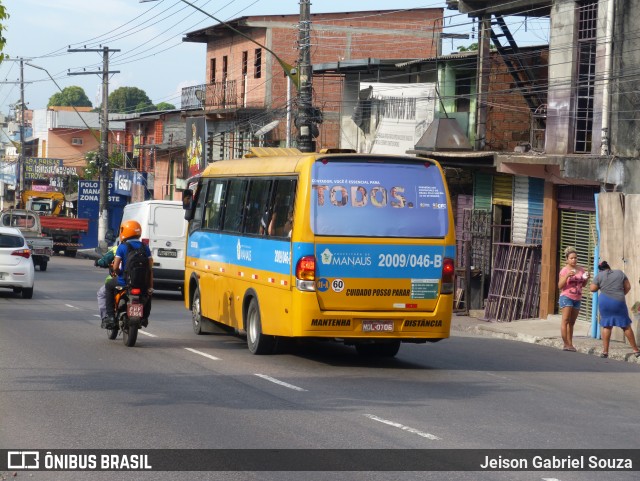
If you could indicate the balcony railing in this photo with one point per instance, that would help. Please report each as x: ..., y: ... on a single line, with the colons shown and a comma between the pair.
x: 217, y: 95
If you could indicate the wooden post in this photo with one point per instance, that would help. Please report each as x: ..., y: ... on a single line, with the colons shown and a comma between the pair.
x: 549, y: 270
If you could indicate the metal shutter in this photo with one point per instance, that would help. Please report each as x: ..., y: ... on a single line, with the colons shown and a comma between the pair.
x: 576, y: 197
x: 578, y: 229
x: 520, y: 210
x: 482, y: 187
x: 502, y: 189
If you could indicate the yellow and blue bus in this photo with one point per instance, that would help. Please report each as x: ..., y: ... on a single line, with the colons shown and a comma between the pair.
x: 358, y: 248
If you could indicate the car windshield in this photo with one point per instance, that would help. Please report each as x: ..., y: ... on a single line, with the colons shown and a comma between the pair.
x: 8, y: 240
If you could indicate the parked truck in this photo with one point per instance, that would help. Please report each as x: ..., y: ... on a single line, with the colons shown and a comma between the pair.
x: 29, y: 224
x: 64, y: 230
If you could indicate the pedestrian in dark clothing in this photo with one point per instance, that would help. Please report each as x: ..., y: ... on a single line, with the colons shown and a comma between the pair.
x: 613, y: 285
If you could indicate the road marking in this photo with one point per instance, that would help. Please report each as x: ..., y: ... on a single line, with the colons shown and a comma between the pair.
x: 72, y: 307
x: 96, y: 315
x: 403, y: 427
x: 147, y: 333
x: 281, y: 383
x: 550, y: 479
x: 202, y: 354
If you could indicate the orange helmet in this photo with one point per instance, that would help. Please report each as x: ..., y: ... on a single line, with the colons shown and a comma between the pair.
x: 129, y: 229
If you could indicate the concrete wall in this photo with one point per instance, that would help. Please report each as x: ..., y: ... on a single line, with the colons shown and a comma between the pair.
x: 619, y: 244
x: 626, y: 81
x: 562, y: 55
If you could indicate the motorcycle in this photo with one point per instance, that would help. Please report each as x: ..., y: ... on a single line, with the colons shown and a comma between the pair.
x: 129, y: 304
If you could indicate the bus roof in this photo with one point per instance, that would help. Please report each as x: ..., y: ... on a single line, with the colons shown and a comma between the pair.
x: 274, y: 160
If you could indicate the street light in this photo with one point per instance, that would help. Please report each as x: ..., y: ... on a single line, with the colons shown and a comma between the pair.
x: 102, y: 164
x: 60, y: 89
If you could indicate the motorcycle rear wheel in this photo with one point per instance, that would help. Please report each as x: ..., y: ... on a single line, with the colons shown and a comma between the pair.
x: 130, y: 335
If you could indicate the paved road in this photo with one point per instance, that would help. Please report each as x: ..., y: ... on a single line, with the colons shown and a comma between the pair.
x: 64, y: 385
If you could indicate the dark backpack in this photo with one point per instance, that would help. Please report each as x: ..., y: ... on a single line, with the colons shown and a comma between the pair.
x: 136, y: 267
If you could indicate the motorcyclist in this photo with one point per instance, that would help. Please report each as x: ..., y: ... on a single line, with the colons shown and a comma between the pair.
x: 130, y: 232
x: 105, y: 262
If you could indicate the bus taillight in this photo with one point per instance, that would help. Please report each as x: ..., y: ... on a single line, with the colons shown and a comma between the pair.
x: 306, y: 273
x: 448, y: 276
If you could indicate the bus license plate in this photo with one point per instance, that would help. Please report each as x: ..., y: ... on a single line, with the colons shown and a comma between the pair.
x: 134, y: 310
x: 377, y: 326
x: 167, y: 253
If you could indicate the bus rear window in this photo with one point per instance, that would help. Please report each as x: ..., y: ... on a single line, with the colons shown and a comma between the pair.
x: 364, y: 199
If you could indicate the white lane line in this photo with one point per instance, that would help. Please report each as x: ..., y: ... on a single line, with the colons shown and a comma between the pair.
x: 550, y: 479
x: 147, y: 333
x: 96, y: 315
x: 403, y: 427
x: 202, y: 354
x: 281, y: 383
x: 72, y: 307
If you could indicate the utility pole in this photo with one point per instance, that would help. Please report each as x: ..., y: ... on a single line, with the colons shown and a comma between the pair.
x: 20, y: 169
x: 304, y: 120
x: 484, y: 65
x: 21, y: 157
x: 103, y: 168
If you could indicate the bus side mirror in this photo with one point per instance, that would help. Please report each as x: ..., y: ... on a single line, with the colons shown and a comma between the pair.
x: 188, y: 204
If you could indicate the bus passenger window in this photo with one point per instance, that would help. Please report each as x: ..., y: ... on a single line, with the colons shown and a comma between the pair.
x: 199, y: 196
x: 257, y: 206
x: 213, y: 207
x: 281, y: 221
x: 234, y: 205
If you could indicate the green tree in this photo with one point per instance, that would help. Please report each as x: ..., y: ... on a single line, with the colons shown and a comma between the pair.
x: 92, y: 168
x: 165, y: 106
x: 3, y: 16
x: 471, y: 48
x: 130, y: 99
x: 73, y: 96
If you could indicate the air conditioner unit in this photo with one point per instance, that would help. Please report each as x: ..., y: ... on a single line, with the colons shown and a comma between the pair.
x: 76, y: 141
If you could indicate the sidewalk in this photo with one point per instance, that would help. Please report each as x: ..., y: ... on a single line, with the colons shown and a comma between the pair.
x: 545, y: 332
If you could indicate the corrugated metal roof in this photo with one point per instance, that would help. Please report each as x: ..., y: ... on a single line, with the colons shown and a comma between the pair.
x: 453, y: 56
x: 273, y: 152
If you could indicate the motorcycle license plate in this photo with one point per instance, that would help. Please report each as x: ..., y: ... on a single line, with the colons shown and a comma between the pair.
x: 134, y: 310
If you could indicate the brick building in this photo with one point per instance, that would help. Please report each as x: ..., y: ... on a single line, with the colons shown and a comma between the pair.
x: 247, y: 90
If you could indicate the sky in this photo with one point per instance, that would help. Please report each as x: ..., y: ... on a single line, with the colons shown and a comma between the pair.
x: 152, y: 56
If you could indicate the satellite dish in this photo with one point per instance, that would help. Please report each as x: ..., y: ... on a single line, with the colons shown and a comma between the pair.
x: 267, y: 128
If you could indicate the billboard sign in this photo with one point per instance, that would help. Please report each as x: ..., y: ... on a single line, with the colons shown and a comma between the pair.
x: 38, y: 168
x: 400, y: 113
x: 89, y: 208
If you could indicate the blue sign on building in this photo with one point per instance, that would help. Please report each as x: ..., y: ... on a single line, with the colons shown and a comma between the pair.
x: 89, y: 208
x: 123, y: 180
x: 131, y: 183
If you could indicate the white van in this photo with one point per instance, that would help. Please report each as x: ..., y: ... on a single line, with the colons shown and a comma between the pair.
x: 164, y: 230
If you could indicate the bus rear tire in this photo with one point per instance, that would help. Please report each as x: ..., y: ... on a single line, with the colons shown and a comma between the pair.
x: 196, y: 312
x: 257, y: 342
x: 380, y: 349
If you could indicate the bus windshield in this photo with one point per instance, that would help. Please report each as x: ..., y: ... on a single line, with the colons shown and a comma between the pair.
x: 378, y: 199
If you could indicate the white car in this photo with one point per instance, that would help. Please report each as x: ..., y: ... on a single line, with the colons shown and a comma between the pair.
x: 16, y: 266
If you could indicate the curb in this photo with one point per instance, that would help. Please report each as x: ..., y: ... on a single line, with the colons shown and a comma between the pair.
x: 614, y: 355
